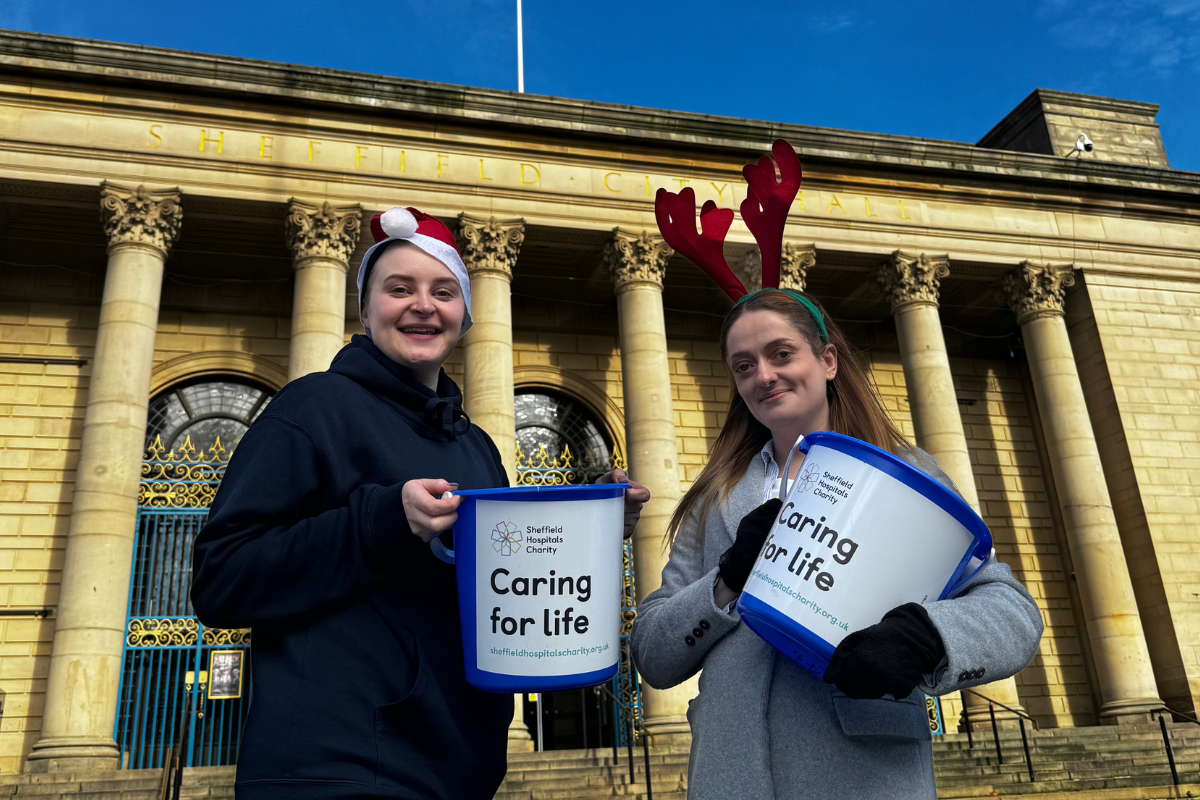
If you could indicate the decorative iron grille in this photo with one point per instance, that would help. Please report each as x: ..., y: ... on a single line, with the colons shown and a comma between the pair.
x: 162, y: 698
x: 547, y: 426
x: 542, y: 469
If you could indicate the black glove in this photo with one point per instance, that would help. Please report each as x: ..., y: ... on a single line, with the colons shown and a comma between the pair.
x: 738, y: 560
x: 889, y: 657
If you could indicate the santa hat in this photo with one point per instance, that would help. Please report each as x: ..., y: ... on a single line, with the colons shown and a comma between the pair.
x: 426, y: 232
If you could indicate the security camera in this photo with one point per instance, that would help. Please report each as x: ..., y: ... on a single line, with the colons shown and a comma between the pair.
x: 1083, y: 144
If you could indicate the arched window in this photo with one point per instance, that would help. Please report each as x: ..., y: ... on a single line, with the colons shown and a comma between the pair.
x: 559, y: 439
x: 204, y: 410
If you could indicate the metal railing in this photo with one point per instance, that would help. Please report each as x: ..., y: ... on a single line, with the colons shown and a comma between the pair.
x: 965, y: 722
x: 1162, y: 726
x: 635, y: 727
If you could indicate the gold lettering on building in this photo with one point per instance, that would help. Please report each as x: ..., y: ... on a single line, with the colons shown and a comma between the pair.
x: 495, y: 169
x: 219, y: 141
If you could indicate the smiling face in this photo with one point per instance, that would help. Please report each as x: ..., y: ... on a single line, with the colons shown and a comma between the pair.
x: 414, y: 310
x: 777, y: 374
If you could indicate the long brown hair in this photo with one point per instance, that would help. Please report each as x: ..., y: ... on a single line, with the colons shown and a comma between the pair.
x: 854, y: 408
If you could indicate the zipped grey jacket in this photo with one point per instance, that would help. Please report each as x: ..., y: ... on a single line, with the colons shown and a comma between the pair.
x: 765, y: 729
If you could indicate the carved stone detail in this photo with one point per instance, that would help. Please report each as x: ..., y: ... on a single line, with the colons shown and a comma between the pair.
x: 636, y: 258
x: 490, y: 246
x: 794, y: 264
x: 749, y: 269
x: 1037, y: 290
x: 907, y: 278
x: 323, y: 232
x: 140, y: 216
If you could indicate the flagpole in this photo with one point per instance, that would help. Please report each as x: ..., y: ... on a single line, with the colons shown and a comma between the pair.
x: 520, y: 53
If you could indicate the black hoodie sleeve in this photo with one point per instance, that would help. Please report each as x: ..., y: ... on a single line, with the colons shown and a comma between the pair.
x: 269, y: 551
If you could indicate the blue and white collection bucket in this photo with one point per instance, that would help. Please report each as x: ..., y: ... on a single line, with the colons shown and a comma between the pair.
x: 539, y: 585
x: 861, y: 532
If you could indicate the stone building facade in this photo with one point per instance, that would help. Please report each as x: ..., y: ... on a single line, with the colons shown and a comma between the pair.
x: 1031, y: 317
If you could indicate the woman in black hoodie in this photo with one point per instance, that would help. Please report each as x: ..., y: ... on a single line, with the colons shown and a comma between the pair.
x: 318, y: 539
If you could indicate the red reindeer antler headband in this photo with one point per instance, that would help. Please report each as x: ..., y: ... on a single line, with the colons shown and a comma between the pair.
x: 764, y: 211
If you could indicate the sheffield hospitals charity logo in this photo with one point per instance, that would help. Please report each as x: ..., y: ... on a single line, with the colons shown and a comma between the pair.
x: 506, y: 538
x: 808, y: 476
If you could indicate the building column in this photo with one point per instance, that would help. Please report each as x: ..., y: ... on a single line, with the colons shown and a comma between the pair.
x: 89, y: 635
x: 322, y: 241
x: 637, y: 264
x: 794, y: 263
x: 911, y: 283
x: 489, y: 250
x: 1126, y: 681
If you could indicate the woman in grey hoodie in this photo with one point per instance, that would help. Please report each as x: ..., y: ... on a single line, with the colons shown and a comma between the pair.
x: 763, y: 727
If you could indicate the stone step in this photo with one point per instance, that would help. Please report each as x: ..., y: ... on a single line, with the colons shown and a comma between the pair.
x: 537, y: 761
x: 603, y: 779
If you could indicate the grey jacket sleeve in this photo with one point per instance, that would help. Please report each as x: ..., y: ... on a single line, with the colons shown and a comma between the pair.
x: 680, y: 622
x: 991, y: 629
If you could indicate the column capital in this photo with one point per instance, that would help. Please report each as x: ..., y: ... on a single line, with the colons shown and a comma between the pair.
x: 323, y: 231
x: 491, y: 246
x: 1035, y: 290
x: 634, y: 259
x: 140, y: 216
x: 794, y: 264
x: 909, y: 278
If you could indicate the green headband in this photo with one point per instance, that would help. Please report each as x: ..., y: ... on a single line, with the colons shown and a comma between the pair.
x: 802, y: 300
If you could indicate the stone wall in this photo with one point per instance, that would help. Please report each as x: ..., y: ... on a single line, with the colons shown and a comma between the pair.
x: 41, y: 420
x: 1145, y: 338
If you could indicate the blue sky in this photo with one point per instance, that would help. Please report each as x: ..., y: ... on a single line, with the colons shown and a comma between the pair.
x: 944, y: 70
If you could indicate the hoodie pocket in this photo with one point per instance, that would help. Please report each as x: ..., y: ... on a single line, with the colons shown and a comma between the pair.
x: 901, y: 719
x: 412, y: 746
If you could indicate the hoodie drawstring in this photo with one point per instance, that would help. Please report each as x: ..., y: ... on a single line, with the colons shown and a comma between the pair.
x: 446, y: 417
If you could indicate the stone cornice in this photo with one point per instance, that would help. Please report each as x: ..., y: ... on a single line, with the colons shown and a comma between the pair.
x: 634, y: 259
x: 140, y: 217
x: 1035, y: 290
x: 911, y: 278
x: 323, y: 231
x: 490, y: 246
x: 258, y: 81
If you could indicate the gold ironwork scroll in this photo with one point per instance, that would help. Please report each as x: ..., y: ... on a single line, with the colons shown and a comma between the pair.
x: 540, y: 469
x: 220, y: 636
x: 184, y: 479
x: 178, y: 632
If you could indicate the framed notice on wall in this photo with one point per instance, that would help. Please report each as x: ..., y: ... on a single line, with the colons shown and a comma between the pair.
x: 225, y: 674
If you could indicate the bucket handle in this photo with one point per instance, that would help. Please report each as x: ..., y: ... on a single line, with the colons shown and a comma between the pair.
x: 987, y: 556
x: 440, y: 551
x: 798, y: 447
